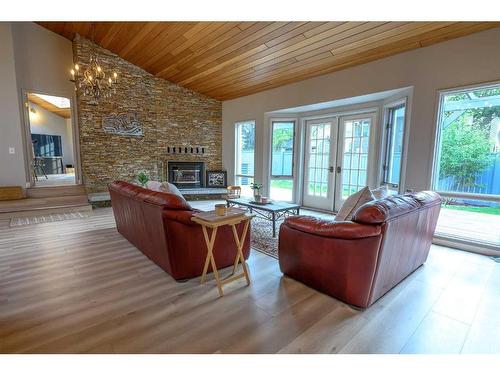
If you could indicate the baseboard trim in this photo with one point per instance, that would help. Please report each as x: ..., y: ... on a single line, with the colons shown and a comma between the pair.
x: 472, y: 247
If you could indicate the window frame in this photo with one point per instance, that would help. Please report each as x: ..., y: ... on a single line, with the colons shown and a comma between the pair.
x: 292, y: 175
x: 434, y: 173
x: 467, y: 244
x: 237, y: 150
x: 387, y: 142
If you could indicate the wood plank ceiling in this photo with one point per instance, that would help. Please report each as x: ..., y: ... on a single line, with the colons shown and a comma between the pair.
x: 226, y: 60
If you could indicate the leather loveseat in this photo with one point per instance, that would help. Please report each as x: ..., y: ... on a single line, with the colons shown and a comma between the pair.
x: 359, y: 261
x: 159, y: 225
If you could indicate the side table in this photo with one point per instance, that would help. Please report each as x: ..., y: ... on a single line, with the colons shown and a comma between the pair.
x: 210, y: 220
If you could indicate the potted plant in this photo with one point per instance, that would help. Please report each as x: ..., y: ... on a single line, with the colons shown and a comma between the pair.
x: 256, y: 191
x: 142, y: 178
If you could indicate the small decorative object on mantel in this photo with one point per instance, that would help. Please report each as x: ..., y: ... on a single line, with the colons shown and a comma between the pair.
x: 186, y: 150
x: 256, y: 191
x: 216, y: 179
x: 126, y: 125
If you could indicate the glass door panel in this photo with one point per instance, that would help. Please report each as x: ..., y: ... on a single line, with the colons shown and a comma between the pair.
x: 319, y: 163
x: 353, y: 156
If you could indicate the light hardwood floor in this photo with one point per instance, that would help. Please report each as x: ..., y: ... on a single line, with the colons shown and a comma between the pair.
x: 79, y: 286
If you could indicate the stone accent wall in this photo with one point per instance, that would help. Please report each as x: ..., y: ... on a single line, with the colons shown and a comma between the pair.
x: 171, y: 116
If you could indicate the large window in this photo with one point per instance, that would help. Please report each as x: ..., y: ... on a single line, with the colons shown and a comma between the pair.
x: 245, y: 155
x: 467, y: 164
x: 393, y: 146
x: 282, y: 153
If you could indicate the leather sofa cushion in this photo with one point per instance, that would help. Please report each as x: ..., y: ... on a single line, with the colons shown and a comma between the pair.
x: 329, y: 228
x: 380, y: 211
x: 168, y: 200
x: 181, y: 216
x: 126, y: 188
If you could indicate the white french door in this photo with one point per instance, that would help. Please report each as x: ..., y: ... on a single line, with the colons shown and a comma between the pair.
x: 337, y: 160
x: 321, y: 142
x: 354, y: 163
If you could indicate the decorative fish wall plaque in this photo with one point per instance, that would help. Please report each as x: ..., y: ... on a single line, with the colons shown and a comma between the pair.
x: 127, y: 125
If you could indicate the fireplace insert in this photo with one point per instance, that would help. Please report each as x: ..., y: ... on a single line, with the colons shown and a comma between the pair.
x: 186, y: 175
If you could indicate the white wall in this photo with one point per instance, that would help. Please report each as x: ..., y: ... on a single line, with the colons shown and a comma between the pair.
x: 468, y: 60
x: 31, y: 59
x: 11, y: 166
x: 49, y: 123
x: 43, y: 60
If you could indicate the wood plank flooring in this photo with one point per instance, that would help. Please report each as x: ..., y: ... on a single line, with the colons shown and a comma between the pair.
x: 80, y: 287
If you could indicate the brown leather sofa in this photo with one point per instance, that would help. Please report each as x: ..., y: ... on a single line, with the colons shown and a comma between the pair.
x: 359, y: 261
x: 159, y: 224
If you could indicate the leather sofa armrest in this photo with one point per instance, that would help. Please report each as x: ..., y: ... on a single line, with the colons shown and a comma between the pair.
x: 336, y: 229
x: 181, y: 216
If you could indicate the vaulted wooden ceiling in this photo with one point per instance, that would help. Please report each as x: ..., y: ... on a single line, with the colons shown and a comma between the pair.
x: 226, y: 60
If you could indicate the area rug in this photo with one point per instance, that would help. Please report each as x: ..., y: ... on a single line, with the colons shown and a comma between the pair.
x: 49, y: 218
x: 262, y: 237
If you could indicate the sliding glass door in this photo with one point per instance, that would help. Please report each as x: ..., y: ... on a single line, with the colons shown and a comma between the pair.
x: 467, y: 165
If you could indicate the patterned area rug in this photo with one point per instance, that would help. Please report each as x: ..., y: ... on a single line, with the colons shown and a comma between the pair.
x: 262, y: 236
x: 49, y: 218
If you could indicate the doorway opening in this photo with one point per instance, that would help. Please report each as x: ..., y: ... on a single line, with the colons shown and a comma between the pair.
x: 50, y: 144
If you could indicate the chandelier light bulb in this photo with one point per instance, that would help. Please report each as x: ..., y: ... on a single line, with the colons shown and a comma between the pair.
x: 77, y: 67
x: 72, y: 72
x: 115, y: 75
x: 99, y: 69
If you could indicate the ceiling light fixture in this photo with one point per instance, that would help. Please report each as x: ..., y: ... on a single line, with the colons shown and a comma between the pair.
x: 91, y: 78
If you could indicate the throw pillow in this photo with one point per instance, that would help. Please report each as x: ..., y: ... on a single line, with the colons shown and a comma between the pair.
x: 352, y: 203
x: 167, y: 187
x: 381, y: 192
x: 153, y: 185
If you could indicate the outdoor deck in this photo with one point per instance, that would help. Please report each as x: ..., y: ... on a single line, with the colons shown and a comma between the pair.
x: 469, y: 225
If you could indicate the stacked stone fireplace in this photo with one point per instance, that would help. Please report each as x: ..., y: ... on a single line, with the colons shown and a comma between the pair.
x: 177, y: 125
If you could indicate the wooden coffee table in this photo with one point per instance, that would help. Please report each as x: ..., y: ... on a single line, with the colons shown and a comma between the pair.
x: 210, y: 220
x: 273, y: 211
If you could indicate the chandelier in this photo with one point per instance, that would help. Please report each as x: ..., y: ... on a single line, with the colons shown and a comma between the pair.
x: 93, y: 80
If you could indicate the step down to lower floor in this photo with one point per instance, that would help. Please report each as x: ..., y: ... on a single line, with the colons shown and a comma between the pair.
x: 29, y: 206
x: 55, y: 191
x: 46, y: 211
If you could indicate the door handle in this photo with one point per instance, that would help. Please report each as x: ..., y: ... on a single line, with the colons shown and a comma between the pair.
x: 330, y: 169
x: 339, y: 169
